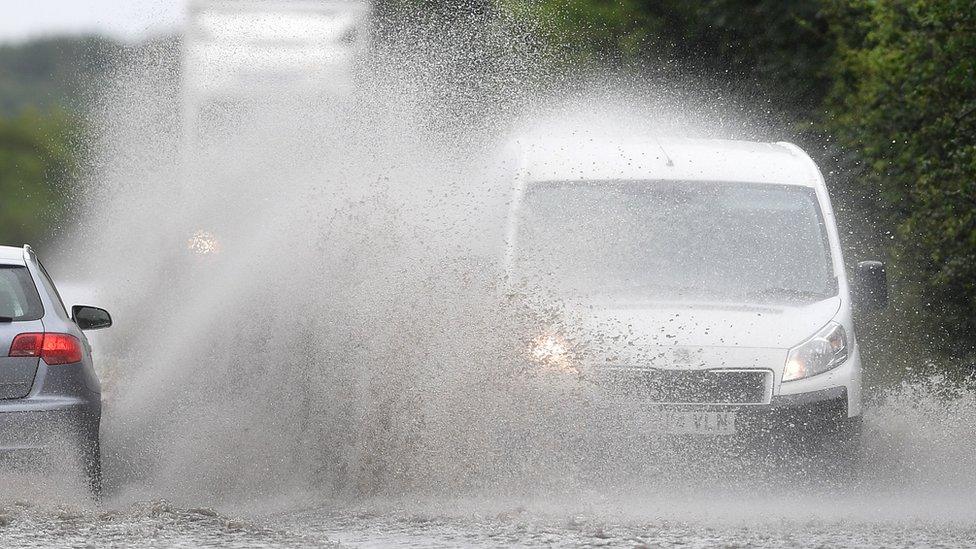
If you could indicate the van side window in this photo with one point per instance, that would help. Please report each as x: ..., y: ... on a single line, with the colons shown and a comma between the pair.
x: 51, y: 289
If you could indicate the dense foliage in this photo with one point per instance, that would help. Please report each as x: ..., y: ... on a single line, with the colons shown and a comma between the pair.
x: 37, y: 163
x: 53, y: 72
x: 904, y: 97
x: 764, y: 48
x: 42, y: 84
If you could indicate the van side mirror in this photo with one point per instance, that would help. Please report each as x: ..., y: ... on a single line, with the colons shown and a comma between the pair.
x: 90, y: 318
x: 871, y: 286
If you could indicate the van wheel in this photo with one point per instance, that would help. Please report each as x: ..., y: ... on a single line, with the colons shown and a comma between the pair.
x: 93, y: 468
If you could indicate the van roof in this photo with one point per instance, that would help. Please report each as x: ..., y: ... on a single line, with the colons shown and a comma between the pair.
x: 11, y: 255
x: 651, y: 158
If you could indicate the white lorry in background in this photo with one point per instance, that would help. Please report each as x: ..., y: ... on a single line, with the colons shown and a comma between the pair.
x: 238, y: 52
x: 253, y: 71
x: 719, y: 263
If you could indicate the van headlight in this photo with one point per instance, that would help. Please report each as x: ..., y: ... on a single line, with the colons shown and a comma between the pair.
x: 822, y: 352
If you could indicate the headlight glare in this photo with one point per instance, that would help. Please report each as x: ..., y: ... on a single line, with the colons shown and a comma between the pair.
x: 553, y: 352
x: 823, y: 352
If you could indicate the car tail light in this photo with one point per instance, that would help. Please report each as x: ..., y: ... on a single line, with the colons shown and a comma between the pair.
x: 27, y: 345
x: 52, y: 348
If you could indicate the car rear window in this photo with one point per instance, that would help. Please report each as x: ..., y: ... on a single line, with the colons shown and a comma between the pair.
x: 18, y: 296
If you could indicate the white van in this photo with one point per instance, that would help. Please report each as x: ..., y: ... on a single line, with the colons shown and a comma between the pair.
x: 706, y: 278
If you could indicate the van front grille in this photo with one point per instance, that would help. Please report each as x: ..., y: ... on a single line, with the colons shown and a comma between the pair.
x: 691, y: 386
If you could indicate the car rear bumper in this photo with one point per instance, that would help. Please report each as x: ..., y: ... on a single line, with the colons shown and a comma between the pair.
x: 38, y: 423
x: 62, y: 407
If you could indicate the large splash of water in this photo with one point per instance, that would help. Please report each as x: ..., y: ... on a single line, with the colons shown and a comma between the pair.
x: 308, y: 302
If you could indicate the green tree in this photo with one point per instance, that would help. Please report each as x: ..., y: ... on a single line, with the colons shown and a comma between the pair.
x: 904, y: 98
x: 41, y: 82
x: 777, y: 49
x: 37, y: 165
x: 57, y: 72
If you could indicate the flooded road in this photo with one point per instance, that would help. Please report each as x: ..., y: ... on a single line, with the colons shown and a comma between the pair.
x: 904, y: 496
x: 159, y: 524
x: 524, y: 528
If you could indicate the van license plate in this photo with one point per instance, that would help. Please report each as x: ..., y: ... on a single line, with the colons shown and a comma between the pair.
x: 698, y: 423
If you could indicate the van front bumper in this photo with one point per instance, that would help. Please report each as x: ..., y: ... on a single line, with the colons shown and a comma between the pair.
x: 792, y: 415
x: 787, y: 417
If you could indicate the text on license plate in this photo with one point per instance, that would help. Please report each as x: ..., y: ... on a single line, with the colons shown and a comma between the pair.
x: 698, y: 422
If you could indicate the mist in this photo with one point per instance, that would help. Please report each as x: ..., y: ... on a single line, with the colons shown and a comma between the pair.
x: 311, y: 307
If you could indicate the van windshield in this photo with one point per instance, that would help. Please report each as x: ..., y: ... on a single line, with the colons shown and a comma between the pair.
x: 694, y: 241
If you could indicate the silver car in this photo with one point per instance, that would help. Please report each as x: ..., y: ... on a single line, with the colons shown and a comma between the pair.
x: 50, y: 396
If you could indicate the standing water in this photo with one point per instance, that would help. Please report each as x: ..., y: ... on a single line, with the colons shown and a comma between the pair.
x: 314, y: 342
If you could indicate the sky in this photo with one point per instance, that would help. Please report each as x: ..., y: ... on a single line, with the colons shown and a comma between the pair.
x: 125, y: 19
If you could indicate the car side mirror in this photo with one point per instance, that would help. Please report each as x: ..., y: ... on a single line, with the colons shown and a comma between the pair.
x: 90, y: 318
x: 871, y: 286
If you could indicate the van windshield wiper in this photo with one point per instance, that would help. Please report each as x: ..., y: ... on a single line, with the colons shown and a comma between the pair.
x: 795, y: 293
x: 6, y: 319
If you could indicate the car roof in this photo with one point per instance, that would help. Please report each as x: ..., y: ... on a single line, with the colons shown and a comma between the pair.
x: 671, y: 159
x: 11, y: 255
